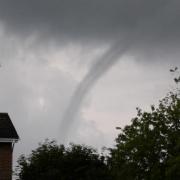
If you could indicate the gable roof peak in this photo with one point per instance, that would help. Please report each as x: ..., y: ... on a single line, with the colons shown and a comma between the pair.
x: 7, y: 129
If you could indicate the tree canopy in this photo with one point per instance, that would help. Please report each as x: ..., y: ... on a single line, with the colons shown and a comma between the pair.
x: 51, y: 161
x: 149, y: 148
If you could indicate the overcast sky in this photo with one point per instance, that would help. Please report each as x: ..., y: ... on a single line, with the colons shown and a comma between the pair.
x: 73, y: 70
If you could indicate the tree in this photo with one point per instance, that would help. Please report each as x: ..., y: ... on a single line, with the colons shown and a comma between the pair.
x: 50, y: 161
x: 149, y: 148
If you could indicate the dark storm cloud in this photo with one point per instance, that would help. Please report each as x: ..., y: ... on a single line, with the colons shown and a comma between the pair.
x: 146, y: 27
x: 93, y: 19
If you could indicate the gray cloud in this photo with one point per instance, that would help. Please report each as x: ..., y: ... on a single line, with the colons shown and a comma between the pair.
x: 98, y: 69
x: 35, y: 94
x: 93, y: 20
x: 148, y: 27
x: 154, y: 24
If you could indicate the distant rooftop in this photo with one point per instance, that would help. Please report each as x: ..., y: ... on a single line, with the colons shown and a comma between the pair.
x: 7, y: 129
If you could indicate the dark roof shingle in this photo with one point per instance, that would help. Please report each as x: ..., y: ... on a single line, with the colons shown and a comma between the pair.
x: 7, y: 129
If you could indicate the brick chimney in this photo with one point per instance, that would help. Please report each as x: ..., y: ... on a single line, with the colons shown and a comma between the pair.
x: 8, y: 136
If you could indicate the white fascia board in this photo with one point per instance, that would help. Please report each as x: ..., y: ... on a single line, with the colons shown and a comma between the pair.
x: 8, y: 140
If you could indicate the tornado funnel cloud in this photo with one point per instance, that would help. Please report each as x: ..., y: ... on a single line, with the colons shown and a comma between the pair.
x: 101, y: 66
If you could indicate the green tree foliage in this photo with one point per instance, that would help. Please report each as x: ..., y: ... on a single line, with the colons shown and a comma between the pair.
x: 52, y: 162
x: 149, y: 148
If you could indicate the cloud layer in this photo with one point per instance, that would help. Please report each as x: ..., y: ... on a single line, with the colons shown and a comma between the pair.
x: 47, y: 46
x: 96, y: 20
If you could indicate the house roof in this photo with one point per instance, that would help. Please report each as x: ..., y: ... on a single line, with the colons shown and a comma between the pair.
x: 7, y: 129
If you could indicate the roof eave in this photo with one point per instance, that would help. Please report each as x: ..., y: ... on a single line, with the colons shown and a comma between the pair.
x: 8, y: 140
